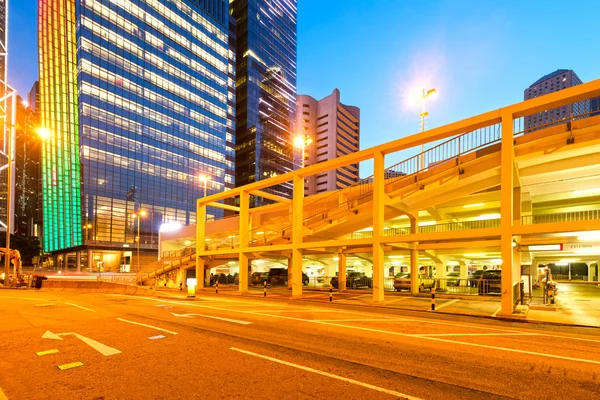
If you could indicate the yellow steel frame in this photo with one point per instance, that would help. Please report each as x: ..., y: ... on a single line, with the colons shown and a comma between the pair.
x: 510, y: 209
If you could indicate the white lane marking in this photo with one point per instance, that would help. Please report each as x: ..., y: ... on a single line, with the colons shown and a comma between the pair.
x: 445, y: 304
x: 78, y: 306
x: 327, y: 374
x: 235, y: 321
x: 190, y: 304
x: 497, y: 311
x: 475, y: 334
x: 147, y: 326
x: 400, y: 299
x: 360, y: 320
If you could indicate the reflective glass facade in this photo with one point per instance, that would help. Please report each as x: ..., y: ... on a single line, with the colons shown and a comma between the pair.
x: 154, y: 95
x: 266, y: 89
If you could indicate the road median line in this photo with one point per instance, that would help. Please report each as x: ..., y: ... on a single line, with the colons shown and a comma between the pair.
x: 327, y: 374
x: 147, y: 326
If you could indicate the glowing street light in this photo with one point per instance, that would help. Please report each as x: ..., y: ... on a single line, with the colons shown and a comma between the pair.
x: 420, y: 96
x: 204, y: 179
x: 300, y: 142
x: 44, y: 133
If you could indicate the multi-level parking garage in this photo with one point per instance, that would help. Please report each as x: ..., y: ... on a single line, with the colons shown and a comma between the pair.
x: 489, y: 195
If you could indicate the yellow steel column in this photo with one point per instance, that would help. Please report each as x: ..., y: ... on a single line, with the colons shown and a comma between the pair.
x: 378, y: 224
x: 244, y: 240
x: 414, y: 255
x: 200, y: 236
x: 506, y: 211
x: 342, y: 271
x: 297, y: 231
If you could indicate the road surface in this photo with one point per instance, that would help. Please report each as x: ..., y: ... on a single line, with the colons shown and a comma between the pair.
x: 232, y: 347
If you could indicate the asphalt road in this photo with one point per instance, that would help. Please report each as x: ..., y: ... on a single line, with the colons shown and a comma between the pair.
x: 249, y: 348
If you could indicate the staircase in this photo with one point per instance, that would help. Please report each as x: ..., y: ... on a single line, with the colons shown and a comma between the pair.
x: 170, y: 261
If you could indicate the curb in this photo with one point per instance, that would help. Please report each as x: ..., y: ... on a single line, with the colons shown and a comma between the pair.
x: 509, y: 319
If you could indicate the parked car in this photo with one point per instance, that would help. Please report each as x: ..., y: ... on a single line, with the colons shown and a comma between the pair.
x: 402, y: 281
x: 453, y: 279
x: 474, y: 281
x: 354, y: 280
x: 490, y: 282
x: 258, y: 278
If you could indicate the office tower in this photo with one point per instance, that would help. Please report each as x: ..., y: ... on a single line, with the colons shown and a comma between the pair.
x: 138, y: 100
x: 28, y: 183
x: 331, y: 130
x: 557, y: 80
x: 266, y: 90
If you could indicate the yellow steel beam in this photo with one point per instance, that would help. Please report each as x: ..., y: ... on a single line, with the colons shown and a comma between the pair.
x: 270, y: 196
x: 552, y: 100
x: 223, y: 206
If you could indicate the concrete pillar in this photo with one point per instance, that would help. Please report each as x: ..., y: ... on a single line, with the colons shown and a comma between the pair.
x: 440, y: 273
x: 200, y: 241
x: 414, y: 256
x: 290, y: 272
x: 199, y: 274
x: 379, y: 200
x: 181, y: 277
x: 297, y: 235
x: 243, y: 277
x: 342, y: 271
x: 463, y: 273
x: 507, y: 212
x: 78, y: 260
x: 244, y: 234
x: 414, y: 271
x: 90, y: 260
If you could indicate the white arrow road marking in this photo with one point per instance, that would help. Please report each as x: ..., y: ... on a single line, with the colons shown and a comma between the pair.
x: 99, y: 347
x: 83, y: 308
x: 235, y: 321
x: 340, y: 378
x: 50, y: 335
x: 147, y: 326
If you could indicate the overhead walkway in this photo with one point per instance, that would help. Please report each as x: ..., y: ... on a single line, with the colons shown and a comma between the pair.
x: 490, y: 185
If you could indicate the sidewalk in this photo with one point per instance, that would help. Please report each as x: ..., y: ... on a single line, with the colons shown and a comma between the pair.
x: 476, y: 306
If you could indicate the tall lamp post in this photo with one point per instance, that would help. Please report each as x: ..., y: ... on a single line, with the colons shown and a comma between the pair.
x: 10, y: 133
x: 424, y: 95
x: 204, y: 179
x: 300, y: 142
x: 139, y: 215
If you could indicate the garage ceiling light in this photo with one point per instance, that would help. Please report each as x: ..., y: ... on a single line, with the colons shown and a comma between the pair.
x: 396, y: 257
x: 484, y: 217
x: 427, y: 223
x: 545, y: 247
x: 474, y: 205
x: 589, y: 236
x: 586, y: 191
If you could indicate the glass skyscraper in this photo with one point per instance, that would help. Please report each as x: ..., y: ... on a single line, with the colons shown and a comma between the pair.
x: 139, y: 98
x: 266, y: 89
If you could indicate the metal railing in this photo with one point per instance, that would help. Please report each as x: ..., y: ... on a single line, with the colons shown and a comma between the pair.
x: 447, y: 151
x: 571, y: 216
x: 186, y: 251
x: 460, y: 226
x: 557, y: 116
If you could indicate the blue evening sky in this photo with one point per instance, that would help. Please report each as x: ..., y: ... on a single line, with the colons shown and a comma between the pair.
x: 480, y: 55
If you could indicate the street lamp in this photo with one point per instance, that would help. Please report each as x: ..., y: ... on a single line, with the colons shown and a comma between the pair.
x: 139, y: 215
x: 204, y: 179
x: 420, y: 97
x: 300, y: 142
x: 87, y: 227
